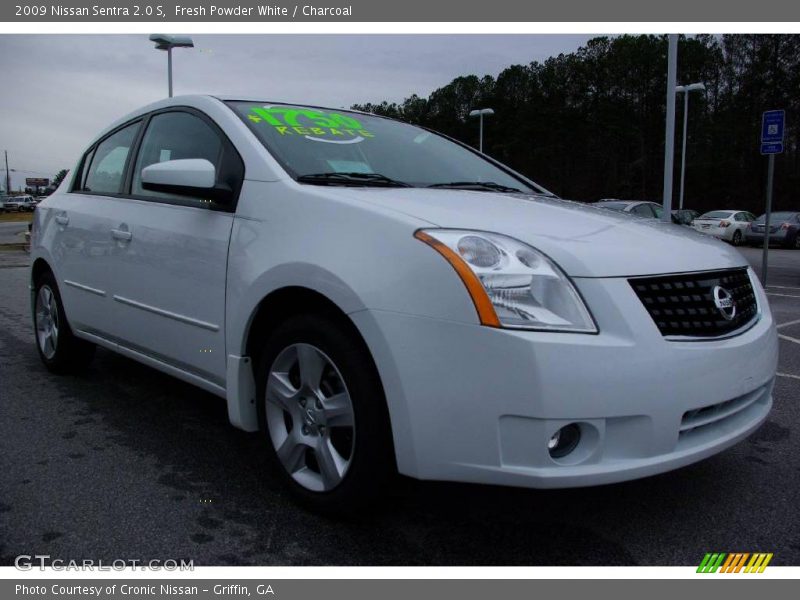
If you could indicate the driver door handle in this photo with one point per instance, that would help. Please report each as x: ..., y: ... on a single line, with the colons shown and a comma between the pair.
x: 121, y: 234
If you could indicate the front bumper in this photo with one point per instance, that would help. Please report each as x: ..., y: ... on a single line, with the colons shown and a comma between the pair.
x: 471, y: 403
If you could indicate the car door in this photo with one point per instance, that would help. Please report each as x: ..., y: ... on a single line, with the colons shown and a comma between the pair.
x: 171, y: 251
x: 80, y: 224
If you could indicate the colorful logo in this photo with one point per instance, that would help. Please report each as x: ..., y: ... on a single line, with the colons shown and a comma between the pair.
x: 312, y: 124
x: 735, y: 562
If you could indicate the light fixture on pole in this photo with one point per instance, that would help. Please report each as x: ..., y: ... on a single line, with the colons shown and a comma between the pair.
x: 168, y: 42
x: 685, y: 89
x: 481, y: 113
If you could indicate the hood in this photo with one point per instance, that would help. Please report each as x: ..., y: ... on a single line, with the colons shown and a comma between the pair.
x: 586, y: 241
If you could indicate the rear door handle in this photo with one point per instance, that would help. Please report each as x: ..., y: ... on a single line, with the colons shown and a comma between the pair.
x: 62, y: 219
x: 121, y: 234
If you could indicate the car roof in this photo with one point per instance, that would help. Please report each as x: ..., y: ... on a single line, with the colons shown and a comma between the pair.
x: 194, y: 99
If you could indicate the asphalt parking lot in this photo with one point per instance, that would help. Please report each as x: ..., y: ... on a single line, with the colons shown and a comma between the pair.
x: 127, y: 463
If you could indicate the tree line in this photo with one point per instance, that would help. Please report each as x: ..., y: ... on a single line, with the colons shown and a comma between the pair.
x: 590, y: 124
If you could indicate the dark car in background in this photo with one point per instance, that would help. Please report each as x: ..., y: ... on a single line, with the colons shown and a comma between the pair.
x: 640, y: 208
x: 684, y: 216
x: 784, y: 230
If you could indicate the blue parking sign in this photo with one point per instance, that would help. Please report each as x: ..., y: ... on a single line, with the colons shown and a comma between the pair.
x: 772, y: 125
x: 772, y: 148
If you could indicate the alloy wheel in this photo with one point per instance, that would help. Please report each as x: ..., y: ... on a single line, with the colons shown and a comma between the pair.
x: 46, y: 322
x: 310, y: 417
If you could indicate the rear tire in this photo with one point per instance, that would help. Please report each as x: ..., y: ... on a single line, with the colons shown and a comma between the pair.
x: 60, y: 351
x: 737, y: 238
x: 323, y: 414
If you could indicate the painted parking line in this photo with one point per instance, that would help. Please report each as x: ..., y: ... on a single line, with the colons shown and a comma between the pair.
x: 789, y: 375
x: 788, y: 323
x: 781, y: 295
x: 782, y: 287
x: 788, y: 338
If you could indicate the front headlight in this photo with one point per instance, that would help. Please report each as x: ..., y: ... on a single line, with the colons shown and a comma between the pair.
x: 511, y: 284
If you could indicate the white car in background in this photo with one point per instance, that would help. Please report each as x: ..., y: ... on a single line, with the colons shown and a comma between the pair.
x: 19, y: 203
x: 374, y: 297
x: 728, y: 225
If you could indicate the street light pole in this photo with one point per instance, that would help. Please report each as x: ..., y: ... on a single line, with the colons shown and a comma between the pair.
x: 669, y: 129
x: 168, y: 42
x: 480, y: 114
x: 169, y: 70
x: 480, y: 136
x: 685, y: 89
x: 683, y: 148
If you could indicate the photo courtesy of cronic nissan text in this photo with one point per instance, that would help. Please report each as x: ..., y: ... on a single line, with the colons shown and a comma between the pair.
x: 297, y: 300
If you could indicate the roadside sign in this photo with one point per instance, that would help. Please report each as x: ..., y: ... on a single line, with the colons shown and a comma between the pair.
x: 773, y: 122
x: 772, y: 125
x: 772, y: 148
x: 37, y: 182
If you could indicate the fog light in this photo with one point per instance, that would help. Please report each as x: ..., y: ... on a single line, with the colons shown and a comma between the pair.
x: 564, y: 441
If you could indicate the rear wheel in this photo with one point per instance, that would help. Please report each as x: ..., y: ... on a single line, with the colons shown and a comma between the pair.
x: 323, y: 414
x: 60, y: 351
x: 737, y: 238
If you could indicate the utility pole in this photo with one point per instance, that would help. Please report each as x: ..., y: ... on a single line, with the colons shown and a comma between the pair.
x: 8, y: 176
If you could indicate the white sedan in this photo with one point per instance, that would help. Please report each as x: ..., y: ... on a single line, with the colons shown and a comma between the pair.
x: 374, y: 297
x: 728, y: 225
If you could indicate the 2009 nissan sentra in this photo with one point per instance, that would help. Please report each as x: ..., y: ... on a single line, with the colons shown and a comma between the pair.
x: 374, y: 297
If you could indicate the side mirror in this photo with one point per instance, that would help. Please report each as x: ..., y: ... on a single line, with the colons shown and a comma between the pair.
x: 186, y: 177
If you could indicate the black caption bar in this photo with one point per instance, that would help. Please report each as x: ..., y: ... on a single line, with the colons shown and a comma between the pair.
x: 405, y: 10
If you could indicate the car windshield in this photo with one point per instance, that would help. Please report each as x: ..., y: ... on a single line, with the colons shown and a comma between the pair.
x: 776, y: 217
x: 716, y: 214
x: 325, y: 147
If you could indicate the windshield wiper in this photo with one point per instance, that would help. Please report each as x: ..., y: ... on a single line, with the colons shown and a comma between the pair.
x: 477, y: 185
x: 335, y: 178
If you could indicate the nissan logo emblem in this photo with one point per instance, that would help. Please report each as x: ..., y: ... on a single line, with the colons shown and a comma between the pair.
x: 724, y: 302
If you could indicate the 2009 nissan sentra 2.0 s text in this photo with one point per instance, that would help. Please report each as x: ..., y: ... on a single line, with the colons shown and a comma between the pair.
x: 374, y: 297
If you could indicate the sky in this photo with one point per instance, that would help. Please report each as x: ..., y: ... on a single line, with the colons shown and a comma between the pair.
x: 59, y: 91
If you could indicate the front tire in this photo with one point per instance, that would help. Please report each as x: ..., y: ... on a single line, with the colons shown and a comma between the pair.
x: 60, y: 351
x: 323, y: 414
